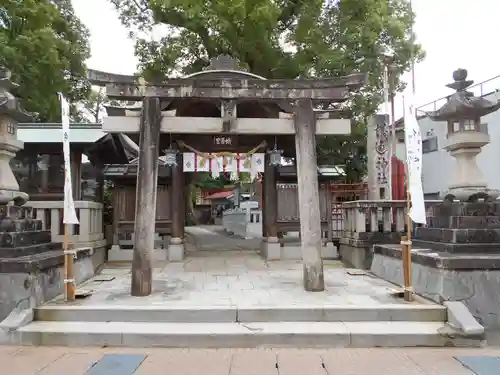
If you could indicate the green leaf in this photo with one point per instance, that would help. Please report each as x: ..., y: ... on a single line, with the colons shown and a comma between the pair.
x: 45, y: 45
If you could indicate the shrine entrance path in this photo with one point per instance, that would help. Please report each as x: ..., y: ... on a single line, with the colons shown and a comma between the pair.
x: 236, y: 299
x: 234, y: 278
x: 203, y: 238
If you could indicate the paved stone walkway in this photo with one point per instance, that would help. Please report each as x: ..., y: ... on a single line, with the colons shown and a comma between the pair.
x: 214, y: 238
x: 238, y: 278
x: 78, y: 361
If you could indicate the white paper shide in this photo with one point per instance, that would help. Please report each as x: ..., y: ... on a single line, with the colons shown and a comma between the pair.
x: 69, y: 204
x: 413, y: 142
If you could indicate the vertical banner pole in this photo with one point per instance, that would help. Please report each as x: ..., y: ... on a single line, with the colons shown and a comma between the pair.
x: 69, y: 214
x: 415, y: 196
x: 406, y: 253
x: 67, y: 275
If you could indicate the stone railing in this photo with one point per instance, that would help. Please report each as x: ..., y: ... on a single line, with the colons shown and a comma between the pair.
x: 89, y: 233
x: 373, y: 216
x: 246, y: 223
x: 366, y: 223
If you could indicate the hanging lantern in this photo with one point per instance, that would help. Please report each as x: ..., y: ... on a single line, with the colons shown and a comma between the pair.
x: 171, y: 157
x: 275, y: 157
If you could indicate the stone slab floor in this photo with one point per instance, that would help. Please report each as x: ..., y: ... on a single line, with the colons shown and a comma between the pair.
x: 236, y: 278
x: 90, y: 361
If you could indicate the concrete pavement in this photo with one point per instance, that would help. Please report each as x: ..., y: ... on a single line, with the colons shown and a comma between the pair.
x: 237, y: 300
x: 89, y: 361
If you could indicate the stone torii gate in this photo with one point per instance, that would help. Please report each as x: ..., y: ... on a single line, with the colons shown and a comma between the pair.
x: 229, y: 87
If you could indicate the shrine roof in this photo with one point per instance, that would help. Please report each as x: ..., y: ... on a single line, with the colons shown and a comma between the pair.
x: 51, y: 132
x: 219, y: 195
x: 463, y: 105
x: 130, y: 171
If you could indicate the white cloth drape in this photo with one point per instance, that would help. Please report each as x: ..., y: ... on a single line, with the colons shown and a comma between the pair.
x: 413, y: 142
x: 69, y: 204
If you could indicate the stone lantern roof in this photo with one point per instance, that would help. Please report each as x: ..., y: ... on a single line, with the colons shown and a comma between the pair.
x: 9, y: 104
x: 463, y: 105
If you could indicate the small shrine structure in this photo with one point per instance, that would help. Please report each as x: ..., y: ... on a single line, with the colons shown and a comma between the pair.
x: 224, y: 119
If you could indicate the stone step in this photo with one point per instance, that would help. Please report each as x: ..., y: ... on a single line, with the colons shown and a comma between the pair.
x: 458, y: 236
x: 233, y: 335
x: 31, y: 263
x: 464, y: 222
x: 22, y: 251
x: 456, y: 248
x: 36, y: 262
x: 164, y: 314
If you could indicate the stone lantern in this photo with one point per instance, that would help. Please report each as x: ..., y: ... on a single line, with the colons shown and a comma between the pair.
x: 10, y: 115
x: 466, y: 137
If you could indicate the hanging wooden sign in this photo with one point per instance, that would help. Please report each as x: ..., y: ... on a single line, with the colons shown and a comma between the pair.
x: 223, y: 140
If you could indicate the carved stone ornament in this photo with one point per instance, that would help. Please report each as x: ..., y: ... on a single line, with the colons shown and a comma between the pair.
x: 223, y: 62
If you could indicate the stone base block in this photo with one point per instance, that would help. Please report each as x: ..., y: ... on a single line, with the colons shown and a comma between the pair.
x: 292, y: 251
x: 117, y: 254
x: 175, y: 252
x: 330, y: 251
x: 356, y: 256
x: 357, y: 251
x: 270, y: 250
x: 440, y: 278
x: 28, y: 290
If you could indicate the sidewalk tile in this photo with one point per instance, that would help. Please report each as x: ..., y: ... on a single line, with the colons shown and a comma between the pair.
x: 254, y: 362
x: 298, y: 362
x: 73, y: 363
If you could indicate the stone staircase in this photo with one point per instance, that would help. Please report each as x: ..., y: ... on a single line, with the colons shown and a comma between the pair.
x: 401, y: 325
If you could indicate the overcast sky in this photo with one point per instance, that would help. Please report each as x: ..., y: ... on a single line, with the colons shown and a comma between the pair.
x: 454, y: 33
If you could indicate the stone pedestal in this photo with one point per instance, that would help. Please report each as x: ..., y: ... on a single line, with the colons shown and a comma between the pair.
x: 31, y: 265
x: 175, y: 252
x: 357, y: 250
x: 468, y: 180
x: 289, y: 249
x: 271, y: 248
x: 455, y: 258
x: 24, y: 246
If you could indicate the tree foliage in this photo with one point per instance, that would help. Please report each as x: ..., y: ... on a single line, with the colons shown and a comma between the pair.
x: 281, y: 39
x: 45, y: 45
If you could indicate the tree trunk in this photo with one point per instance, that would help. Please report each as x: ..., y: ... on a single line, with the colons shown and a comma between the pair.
x: 307, y: 178
x: 145, y: 214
